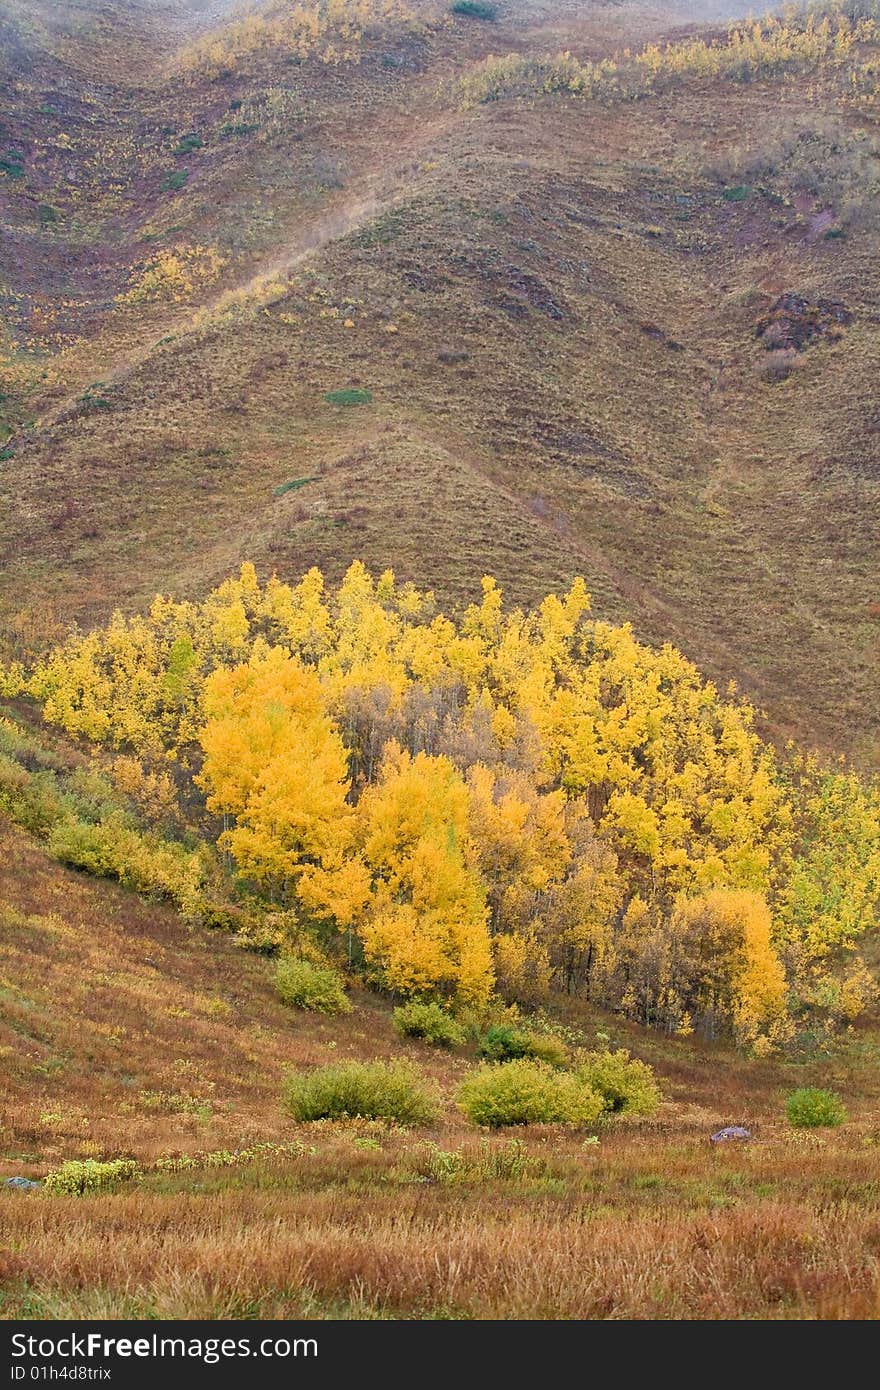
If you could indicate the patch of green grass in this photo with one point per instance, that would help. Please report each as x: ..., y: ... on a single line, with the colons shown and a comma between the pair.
x: 48, y: 215
x: 188, y: 143
x: 475, y: 9
x: 293, y: 485
x: 738, y: 194
x: 174, y: 181
x: 95, y: 402
x: 354, y: 395
x: 12, y: 164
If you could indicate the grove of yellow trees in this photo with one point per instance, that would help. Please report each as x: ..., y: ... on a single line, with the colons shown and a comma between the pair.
x: 503, y: 800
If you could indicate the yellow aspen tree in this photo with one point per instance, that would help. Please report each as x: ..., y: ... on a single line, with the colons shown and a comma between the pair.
x: 275, y: 763
x: 427, y: 927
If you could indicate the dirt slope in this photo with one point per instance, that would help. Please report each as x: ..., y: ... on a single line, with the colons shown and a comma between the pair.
x: 555, y: 305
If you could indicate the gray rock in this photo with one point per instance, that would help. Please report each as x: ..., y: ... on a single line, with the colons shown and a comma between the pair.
x: 22, y: 1184
x: 731, y: 1132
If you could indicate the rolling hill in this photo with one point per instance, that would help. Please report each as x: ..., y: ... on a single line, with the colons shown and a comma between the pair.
x: 124, y: 1034
x: 632, y: 337
x: 538, y: 289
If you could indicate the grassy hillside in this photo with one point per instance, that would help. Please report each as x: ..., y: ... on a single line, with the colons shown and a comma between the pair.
x: 125, y: 1035
x: 538, y: 289
x: 559, y: 306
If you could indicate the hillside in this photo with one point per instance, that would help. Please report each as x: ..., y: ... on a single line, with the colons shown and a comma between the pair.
x: 558, y: 305
x: 124, y: 1034
x: 439, y: 618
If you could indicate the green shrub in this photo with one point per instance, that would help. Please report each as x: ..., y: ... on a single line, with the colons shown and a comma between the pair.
x: 12, y: 164
x: 810, y: 1108
x: 78, y: 1177
x: 304, y: 985
x: 523, y: 1092
x: 503, y: 1043
x: 188, y: 143
x: 368, y: 1090
x: 545, y: 1047
x: 175, y: 180
x: 626, y: 1085
x: 429, y: 1021
x: 475, y: 9
x: 140, y: 860
x: 352, y: 395
x: 292, y: 486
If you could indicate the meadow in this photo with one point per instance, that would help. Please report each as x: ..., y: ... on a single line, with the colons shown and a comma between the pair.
x: 136, y: 1037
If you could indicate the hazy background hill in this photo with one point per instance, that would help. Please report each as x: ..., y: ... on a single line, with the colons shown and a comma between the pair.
x: 630, y: 338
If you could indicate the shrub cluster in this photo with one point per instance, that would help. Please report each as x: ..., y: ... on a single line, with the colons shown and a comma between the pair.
x: 389, y: 1091
x: 626, y: 1085
x: 304, y: 985
x: 429, y: 1021
x: 475, y: 9
x: 811, y: 1108
x: 523, y: 1092
x: 503, y: 1043
x: 77, y: 1177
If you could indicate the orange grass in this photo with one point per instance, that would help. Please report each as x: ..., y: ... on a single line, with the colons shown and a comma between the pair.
x: 107, y: 1003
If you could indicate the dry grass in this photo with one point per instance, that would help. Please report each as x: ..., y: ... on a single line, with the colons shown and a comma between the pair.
x: 651, y: 1229
x: 122, y: 1033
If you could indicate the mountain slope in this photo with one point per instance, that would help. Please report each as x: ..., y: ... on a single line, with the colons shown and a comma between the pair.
x: 555, y: 304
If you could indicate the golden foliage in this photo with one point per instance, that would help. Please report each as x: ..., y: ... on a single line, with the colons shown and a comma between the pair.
x: 174, y: 273
x: 794, y: 41
x: 540, y: 780
x: 330, y: 31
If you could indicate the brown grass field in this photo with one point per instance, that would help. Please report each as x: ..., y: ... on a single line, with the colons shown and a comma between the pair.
x: 123, y: 1034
